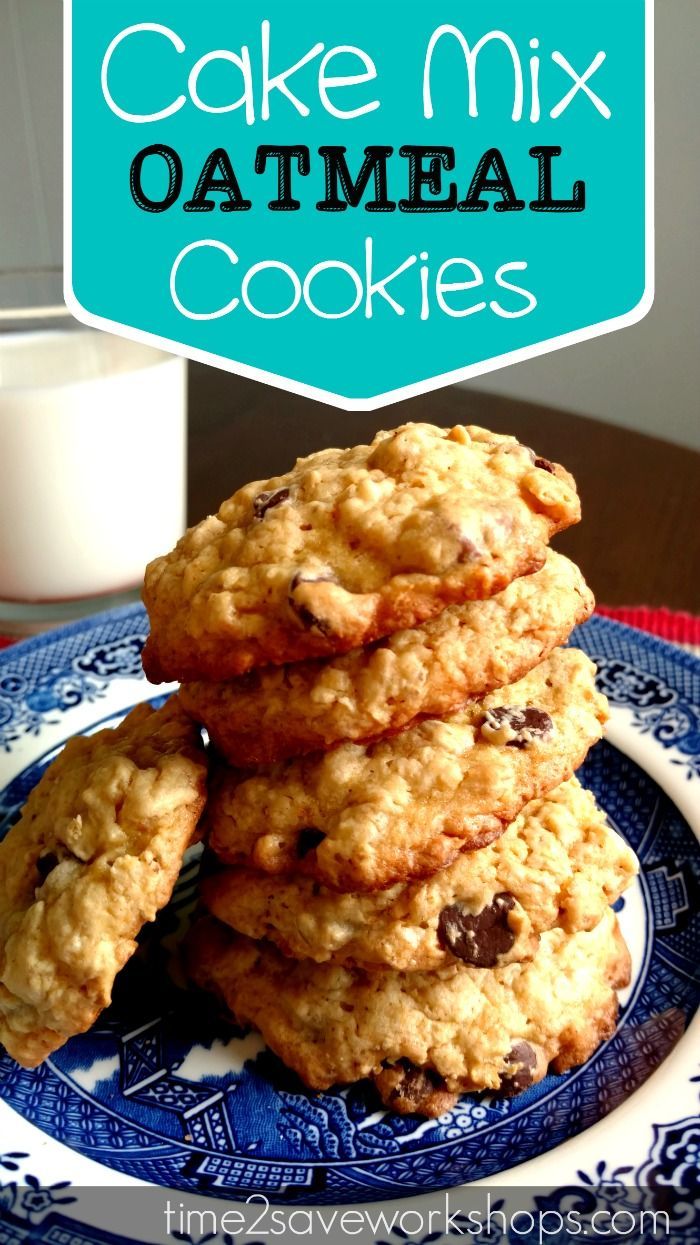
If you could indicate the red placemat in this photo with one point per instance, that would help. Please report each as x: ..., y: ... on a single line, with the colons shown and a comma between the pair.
x: 673, y: 625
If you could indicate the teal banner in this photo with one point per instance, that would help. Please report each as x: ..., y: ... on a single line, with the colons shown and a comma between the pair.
x: 358, y: 201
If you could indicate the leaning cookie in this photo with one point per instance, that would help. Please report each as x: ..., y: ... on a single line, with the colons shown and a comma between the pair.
x: 424, y: 1038
x: 558, y: 863
x: 283, y: 711
x: 95, y: 855
x: 361, y: 817
x: 351, y: 545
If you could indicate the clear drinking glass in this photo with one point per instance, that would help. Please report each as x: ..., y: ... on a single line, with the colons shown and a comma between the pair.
x: 92, y: 470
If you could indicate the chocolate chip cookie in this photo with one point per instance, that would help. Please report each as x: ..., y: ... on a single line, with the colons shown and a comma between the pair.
x: 349, y: 546
x: 424, y: 1038
x: 558, y: 863
x: 362, y: 817
x: 95, y: 855
x: 282, y: 711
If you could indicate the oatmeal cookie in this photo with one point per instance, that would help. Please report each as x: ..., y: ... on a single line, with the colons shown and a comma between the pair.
x: 281, y: 711
x: 558, y: 863
x: 361, y: 817
x: 424, y: 1038
x: 94, y: 856
x: 349, y: 546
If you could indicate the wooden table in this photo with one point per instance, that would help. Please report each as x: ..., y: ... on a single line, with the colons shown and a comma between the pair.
x: 639, y: 542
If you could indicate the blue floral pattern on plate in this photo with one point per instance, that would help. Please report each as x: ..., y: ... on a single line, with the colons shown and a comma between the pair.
x: 151, y: 1095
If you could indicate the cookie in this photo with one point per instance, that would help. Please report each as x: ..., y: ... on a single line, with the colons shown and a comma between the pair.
x: 282, y: 711
x: 351, y: 545
x: 558, y: 863
x: 362, y: 817
x: 424, y: 1038
x: 95, y: 855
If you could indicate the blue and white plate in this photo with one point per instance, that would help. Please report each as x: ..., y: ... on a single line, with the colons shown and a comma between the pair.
x: 156, y: 1094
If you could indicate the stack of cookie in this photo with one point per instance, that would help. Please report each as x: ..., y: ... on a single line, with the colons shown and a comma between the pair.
x: 414, y: 887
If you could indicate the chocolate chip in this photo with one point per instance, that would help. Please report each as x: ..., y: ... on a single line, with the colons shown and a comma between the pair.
x: 523, y: 1060
x: 308, y: 841
x: 410, y: 1090
x: 416, y: 1084
x: 526, y: 724
x: 303, y: 613
x: 469, y: 551
x: 544, y: 465
x: 267, y: 501
x: 480, y: 938
x: 46, y: 864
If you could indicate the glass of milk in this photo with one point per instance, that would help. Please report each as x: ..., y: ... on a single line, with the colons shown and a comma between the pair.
x: 92, y: 471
